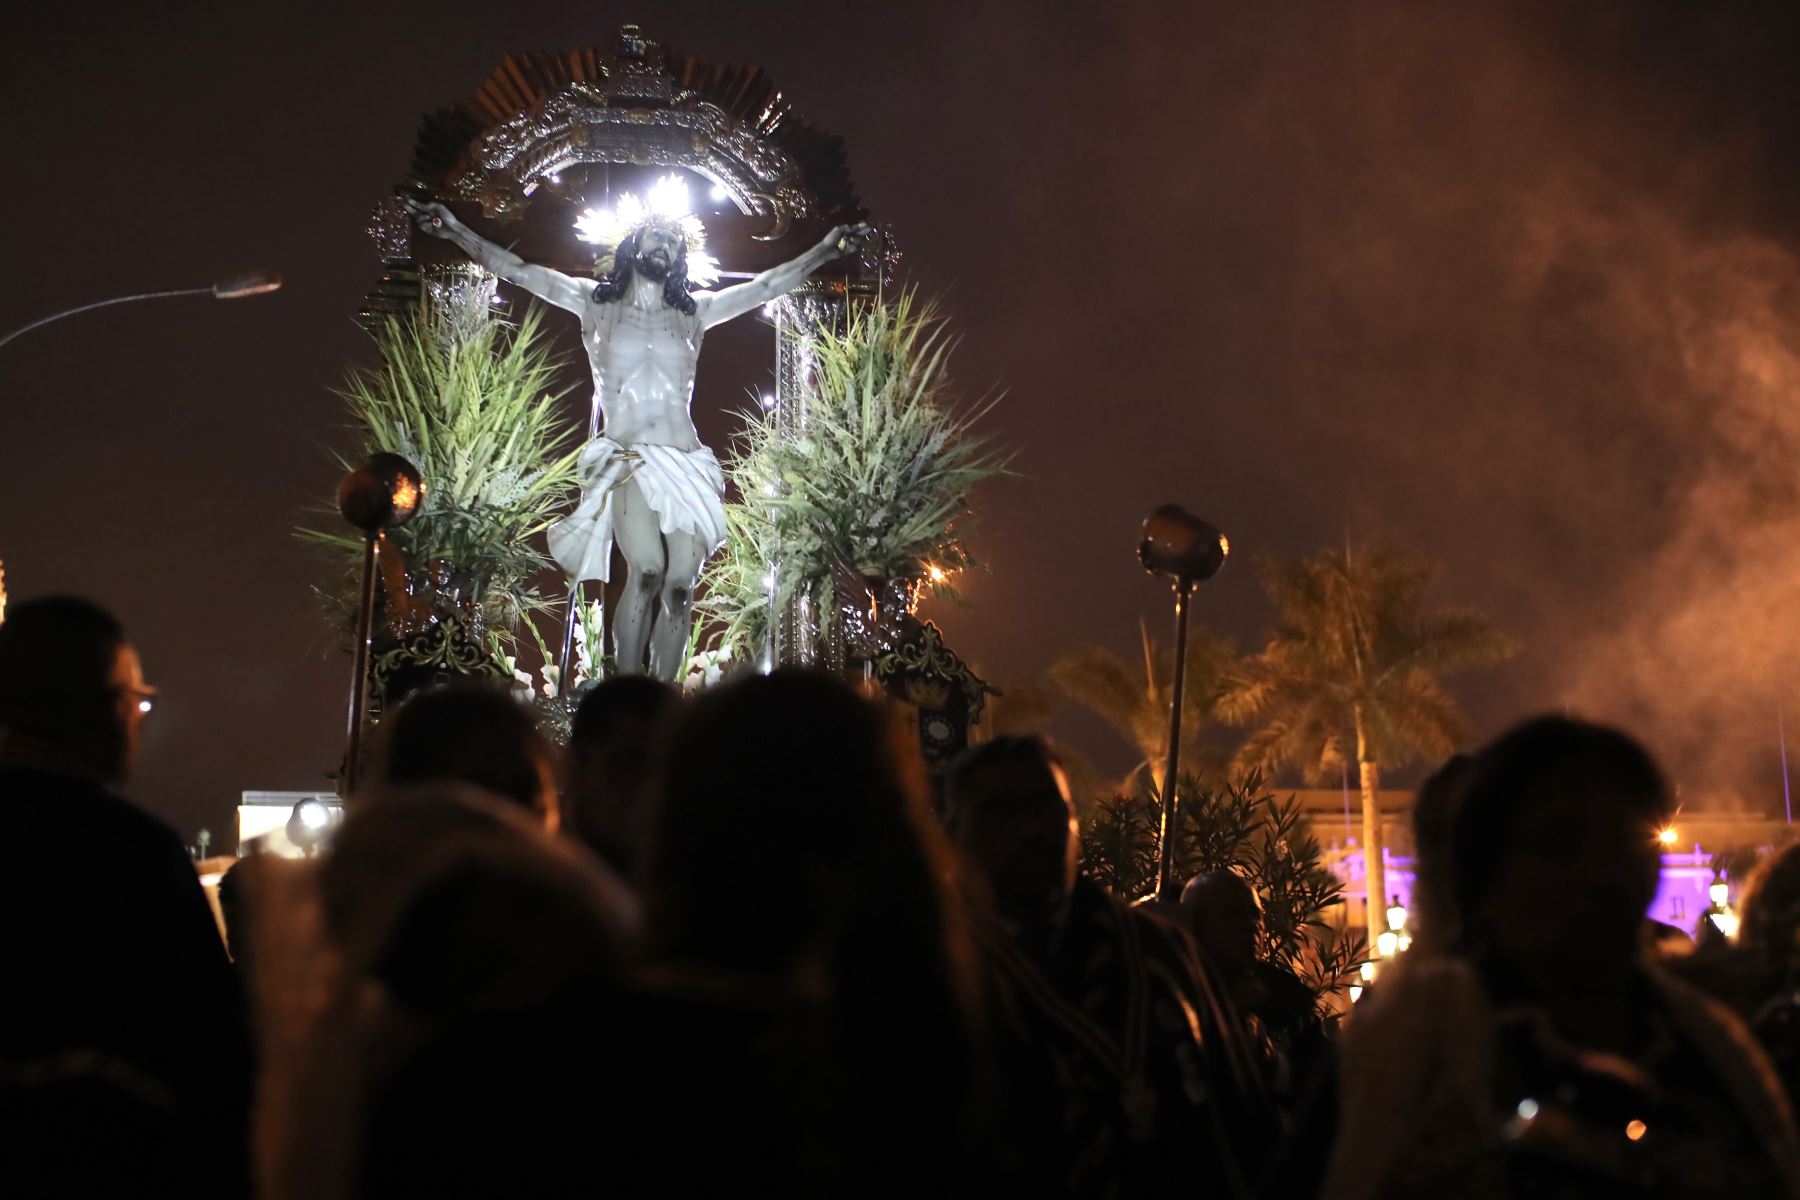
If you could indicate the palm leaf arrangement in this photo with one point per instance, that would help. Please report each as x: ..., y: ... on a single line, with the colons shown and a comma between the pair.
x: 472, y: 400
x: 876, y: 481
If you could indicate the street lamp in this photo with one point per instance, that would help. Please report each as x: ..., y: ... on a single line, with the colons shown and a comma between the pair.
x: 1396, y: 915
x: 1177, y: 543
x: 1722, y: 916
x: 308, y: 824
x: 233, y: 287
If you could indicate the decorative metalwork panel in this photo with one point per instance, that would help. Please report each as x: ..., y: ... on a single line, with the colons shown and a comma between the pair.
x: 426, y: 656
x: 643, y: 104
x: 391, y: 229
x: 800, y: 635
x: 579, y: 125
x: 921, y: 671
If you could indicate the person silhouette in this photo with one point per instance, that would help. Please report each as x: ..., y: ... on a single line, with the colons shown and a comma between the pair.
x: 123, y: 1044
x: 1544, y: 1051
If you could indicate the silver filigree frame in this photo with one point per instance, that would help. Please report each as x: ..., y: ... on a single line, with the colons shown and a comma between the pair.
x: 797, y: 634
x: 578, y: 126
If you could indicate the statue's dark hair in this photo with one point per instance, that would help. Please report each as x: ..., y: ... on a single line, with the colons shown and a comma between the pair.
x: 612, y: 285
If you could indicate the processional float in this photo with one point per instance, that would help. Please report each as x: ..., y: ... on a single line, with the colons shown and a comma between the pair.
x: 554, y: 146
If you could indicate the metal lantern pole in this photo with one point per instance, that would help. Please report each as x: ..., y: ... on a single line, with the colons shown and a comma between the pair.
x: 567, y: 653
x: 359, y: 671
x: 384, y: 493
x: 1184, y: 590
x: 1178, y: 544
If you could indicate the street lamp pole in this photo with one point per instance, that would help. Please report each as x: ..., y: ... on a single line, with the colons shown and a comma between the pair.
x: 236, y: 287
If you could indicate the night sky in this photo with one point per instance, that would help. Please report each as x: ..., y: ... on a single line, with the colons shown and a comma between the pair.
x: 1516, y: 282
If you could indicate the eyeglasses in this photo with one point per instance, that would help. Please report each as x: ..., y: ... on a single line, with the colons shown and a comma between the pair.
x: 140, y: 697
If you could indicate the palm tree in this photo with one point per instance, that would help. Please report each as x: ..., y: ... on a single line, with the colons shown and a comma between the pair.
x: 1356, y: 655
x: 1135, y: 701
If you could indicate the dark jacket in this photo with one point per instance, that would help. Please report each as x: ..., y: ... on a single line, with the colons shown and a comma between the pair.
x: 121, y: 1022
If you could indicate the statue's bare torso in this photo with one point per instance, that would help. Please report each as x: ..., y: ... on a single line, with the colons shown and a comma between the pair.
x: 644, y: 361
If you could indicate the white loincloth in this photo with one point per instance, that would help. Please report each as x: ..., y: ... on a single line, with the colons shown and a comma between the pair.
x: 684, y: 488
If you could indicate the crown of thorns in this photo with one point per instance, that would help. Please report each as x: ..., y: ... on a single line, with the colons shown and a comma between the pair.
x: 666, y: 207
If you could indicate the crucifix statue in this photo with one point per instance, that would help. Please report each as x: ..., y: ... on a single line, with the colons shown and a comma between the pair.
x: 647, y: 481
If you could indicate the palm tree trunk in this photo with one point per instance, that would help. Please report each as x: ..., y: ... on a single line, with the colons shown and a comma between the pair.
x: 1374, y: 873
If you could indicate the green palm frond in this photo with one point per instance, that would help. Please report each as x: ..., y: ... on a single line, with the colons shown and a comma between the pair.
x: 878, y: 476
x: 1101, y: 682
x: 1414, y: 717
x: 1353, y: 634
x: 473, y: 401
x: 1024, y: 707
x: 1135, y: 698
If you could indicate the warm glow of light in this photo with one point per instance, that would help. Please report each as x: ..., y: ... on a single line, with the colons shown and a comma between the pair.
x: 1396, y: 917
x: 251, y: 283
x: 145, y: 706
x: 1635, y: 1130
x: 1355, y: 992
x: 1719, y: 893
x: 1368, y: 972
x: 1667, y: 837
x: 1387, y: 944
x: 1726, y: 923
x: 405, y: 494
x: 936, y: 573
x: 1224, y: 545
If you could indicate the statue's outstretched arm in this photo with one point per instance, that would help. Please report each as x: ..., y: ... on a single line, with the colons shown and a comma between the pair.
x: 564, y: 291
x: 715, y: 308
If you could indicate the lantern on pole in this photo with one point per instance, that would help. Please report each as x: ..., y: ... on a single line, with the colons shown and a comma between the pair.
x: 1178, y: 544
x: 382, y: 494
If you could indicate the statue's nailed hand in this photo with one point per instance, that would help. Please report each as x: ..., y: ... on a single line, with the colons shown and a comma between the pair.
x: 433, y: 218
x: 850, y: 239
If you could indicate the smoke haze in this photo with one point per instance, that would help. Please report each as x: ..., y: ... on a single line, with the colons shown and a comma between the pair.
x: 1502, y: 284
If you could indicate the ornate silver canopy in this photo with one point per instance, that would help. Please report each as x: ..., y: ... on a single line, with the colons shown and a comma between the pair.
x: 641, y: 104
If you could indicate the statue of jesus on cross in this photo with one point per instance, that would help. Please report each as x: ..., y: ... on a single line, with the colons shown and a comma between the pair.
x: 647, y: 481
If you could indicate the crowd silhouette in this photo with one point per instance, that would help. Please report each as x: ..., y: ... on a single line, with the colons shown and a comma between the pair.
x: 741, y: 941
